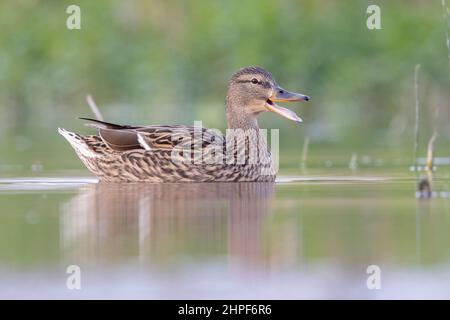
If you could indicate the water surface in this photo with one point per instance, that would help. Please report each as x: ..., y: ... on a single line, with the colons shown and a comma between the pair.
x: 302, y: 237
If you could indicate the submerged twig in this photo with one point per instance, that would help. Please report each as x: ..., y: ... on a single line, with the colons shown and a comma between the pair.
x: 424, y: 188
x: 425, y: 184
x: 95, y: 110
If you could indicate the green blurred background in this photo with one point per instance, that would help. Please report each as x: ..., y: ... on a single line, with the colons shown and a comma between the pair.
x: 150, y: 62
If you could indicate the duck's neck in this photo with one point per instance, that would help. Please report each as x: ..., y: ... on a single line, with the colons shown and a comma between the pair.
x: 237, y: 117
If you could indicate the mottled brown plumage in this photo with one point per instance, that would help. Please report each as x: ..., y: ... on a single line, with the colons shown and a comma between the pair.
x: 178, y: 153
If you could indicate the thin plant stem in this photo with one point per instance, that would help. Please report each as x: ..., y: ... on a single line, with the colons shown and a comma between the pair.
x: 446, y: 14
x: 94, y: 108
x: 417, y: 106
x: 305, y: 153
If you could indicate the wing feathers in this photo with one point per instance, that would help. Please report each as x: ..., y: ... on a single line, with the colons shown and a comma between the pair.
x: 124, y: 137
x: 106, y: 125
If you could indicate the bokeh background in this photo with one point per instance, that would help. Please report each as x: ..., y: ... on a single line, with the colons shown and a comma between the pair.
x: 335, y: 210
x: 150, y: 62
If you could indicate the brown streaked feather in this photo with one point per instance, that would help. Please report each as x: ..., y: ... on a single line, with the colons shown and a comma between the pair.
x: 155, y: 165
x: 165, y: 137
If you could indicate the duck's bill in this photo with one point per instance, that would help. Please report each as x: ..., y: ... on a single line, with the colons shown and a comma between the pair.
x: 289, y: 114
x: 282, y: 95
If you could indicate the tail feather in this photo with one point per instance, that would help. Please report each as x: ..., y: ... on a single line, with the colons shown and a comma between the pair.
x: 105, y: 125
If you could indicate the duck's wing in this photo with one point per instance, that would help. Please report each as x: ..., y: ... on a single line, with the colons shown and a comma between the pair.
x: 154, y: 137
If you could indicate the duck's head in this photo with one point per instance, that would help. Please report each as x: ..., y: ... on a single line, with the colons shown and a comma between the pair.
x: 253, y: 90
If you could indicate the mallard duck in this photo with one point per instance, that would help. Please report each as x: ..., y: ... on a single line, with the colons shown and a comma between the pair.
x: 179, y: 153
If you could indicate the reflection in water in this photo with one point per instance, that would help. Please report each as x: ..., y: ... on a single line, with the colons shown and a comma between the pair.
x: 157, y: 222
x: 314, y: 239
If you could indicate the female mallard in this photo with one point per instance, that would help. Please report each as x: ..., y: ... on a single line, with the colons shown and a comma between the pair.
x: 177, y: 153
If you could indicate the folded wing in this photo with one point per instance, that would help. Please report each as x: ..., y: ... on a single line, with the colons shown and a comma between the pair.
x: 154, y: 137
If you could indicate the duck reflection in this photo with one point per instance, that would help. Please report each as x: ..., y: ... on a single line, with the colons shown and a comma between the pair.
x: 159, y: 222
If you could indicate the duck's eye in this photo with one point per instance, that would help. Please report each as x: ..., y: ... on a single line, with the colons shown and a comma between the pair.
x: 255, y: 81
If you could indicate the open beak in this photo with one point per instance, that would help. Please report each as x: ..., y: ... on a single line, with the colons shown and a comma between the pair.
x: 281, y: 95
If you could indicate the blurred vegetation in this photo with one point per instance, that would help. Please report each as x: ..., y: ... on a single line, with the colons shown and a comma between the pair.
x: 169, y: 62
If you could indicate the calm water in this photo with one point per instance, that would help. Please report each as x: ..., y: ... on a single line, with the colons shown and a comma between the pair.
x: 310, y: 237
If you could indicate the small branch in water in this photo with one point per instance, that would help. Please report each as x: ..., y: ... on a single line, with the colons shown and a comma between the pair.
x: 430, y: 157
x: 95, y: 110
x: 425, y: 184
x: 424, y: 188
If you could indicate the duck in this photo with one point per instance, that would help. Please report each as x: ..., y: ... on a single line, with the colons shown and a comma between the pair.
x: 186, y: 153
